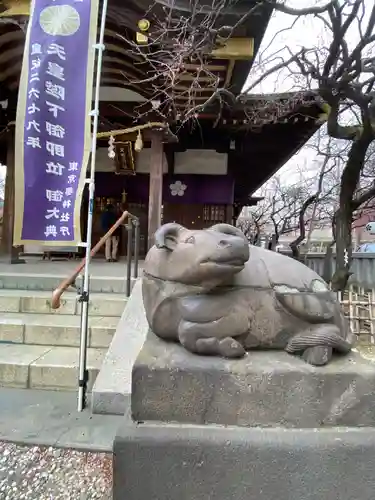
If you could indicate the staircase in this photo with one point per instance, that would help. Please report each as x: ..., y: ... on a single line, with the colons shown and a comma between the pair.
x: 39, y: 347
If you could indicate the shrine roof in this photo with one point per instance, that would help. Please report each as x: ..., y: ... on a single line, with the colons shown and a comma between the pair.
x: 259, y: 134
x: 280, y: 126
x: 121, y: 66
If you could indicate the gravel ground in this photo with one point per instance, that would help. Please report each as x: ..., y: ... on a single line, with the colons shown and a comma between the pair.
x: 52, y: 474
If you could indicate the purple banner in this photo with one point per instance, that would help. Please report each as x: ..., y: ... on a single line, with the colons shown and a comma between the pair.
x: 53, y: 136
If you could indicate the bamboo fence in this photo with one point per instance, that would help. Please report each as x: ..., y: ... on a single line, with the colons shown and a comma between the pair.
x: 359, y: 307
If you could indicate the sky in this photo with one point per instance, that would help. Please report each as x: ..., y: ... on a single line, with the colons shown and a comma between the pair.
x: 285, y: 30
x: 281, y: 32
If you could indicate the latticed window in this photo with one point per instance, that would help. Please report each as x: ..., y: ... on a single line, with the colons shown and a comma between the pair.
x: 214, y: 213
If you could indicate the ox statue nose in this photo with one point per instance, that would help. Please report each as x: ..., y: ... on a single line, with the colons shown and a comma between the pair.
x: 232, y: 248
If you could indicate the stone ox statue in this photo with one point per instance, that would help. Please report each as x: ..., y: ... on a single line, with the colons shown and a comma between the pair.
x: 217, y: 295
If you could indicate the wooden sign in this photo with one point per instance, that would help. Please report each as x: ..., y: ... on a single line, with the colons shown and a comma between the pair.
x: 124, y: 159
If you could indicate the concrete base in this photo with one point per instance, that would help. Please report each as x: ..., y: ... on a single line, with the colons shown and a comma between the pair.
x: 267, y: 389
x: 170, y: 462
x: 113, y: 385
x: 33, y: 417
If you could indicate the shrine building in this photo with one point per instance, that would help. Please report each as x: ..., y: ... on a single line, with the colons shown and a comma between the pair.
x: 196, y: 172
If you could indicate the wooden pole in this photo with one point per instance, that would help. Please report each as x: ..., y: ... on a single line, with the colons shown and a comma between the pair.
x: 155, y: 197
x: 11, y: 252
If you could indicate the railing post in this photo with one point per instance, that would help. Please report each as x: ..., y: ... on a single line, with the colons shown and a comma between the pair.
x: 129, y: 227
x: 136, y: 247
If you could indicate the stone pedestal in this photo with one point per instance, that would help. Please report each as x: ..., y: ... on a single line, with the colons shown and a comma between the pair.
x: 268, y: 427
x: 266, y: 388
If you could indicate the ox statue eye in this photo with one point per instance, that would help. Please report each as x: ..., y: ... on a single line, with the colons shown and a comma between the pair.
x: 191, y: 239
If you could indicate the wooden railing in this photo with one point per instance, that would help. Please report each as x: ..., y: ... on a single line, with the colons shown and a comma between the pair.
x: 358, y: 304
x: 70, y: 281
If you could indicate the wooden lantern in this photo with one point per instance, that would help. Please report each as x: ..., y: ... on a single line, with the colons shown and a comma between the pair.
x: 124, y: 158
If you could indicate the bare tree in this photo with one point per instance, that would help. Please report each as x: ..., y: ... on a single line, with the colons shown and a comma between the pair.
x: 333, y: 155
x: 250, y: 227
x: 283, y: 208
x: 343, y: 72
x: 176, y: 53
x: 257, y: 221
x: 175, y: 56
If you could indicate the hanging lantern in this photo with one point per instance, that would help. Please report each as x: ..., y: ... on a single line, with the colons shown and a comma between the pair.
x: 138, y: 146
x: 111, y: 148
x: 124, y: 160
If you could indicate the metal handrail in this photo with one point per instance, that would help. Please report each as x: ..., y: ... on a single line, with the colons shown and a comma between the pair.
x: 70, y: 281
x: 133, y: 220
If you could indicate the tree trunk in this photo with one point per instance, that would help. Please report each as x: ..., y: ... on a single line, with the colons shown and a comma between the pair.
x: 317, y: 195
x: 294, y: 245
x: 343, y: 247
x: 276, y: 231
x: 344, y: 215
x: 327, y: 263
x: 256, y: 237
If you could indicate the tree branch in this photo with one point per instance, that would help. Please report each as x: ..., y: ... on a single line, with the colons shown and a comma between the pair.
x: 281, y: 7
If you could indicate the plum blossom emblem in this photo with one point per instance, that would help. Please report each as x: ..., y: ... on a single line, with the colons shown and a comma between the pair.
x: 178, y: 188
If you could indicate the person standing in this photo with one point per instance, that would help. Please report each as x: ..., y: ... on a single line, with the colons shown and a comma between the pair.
x: 108, y: 219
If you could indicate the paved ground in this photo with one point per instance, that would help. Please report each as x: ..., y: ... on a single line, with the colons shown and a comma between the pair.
x: 50, y: 451
x: 49, y: 418
x: 36, y: 473
x: 35, y: 265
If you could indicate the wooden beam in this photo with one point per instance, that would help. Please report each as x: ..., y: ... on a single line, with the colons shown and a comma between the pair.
x: 124, y: 63
x: 15, y: 53
x: 13, y: 70
x: 108, y: 81
x: 235, y: 48
x: 8, y: 212
x: 13, y: 38
x: 16, y: 8
x: 155, y: 196
x: 7, y: 248
x: 111, y: 47
x: 229, y: 74
x: 184, y: 99
x: 116, y: 109
x: 193, y: 90
x: 189, y: 77
x: 208, y: 67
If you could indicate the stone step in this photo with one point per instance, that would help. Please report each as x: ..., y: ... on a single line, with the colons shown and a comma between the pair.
x: 39, y: 302
x: 48, y: 282
x: 45, y: 367
x: 53, y: 329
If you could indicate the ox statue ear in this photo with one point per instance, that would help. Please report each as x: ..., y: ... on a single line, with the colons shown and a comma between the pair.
x: 228, y: 229
x: 167, y: 236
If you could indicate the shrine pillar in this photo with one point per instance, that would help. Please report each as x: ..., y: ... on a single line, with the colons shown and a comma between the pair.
x: 155, y: 196
x: 7, y: 248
